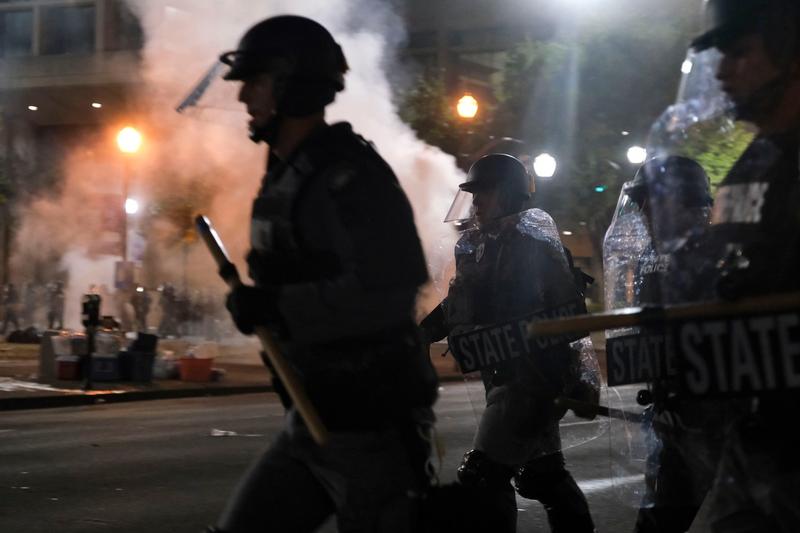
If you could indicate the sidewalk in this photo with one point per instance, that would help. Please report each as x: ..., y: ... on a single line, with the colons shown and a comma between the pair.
x: 244, y: 374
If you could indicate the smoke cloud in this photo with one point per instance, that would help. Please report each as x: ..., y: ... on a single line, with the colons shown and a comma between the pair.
x: 205, y: 163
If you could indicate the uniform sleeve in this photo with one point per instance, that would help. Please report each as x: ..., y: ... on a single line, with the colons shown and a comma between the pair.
x: 367, y: 222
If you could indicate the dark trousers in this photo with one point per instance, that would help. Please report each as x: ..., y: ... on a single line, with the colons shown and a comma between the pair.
x: 366, y: 478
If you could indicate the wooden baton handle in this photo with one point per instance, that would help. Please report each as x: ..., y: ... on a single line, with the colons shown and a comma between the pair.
x: 649, y: 316
x: 285, y: 372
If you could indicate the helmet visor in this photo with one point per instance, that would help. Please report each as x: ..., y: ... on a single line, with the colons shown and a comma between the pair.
x: 212, y: 99
x: 461, y: 210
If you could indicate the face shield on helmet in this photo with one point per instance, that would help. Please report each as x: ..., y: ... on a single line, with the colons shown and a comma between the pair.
x: 213, y: 100
x: 305, y: 66
x: 504, y: 187
x: 702, y: 113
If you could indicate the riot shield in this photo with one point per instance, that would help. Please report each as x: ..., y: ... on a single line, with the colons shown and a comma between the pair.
x: 509, y: 273
x: 626, y: 242
x: 678, y: 440
x: 748, y: 248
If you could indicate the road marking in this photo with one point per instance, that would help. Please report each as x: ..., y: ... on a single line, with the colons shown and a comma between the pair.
x: 10, y: 384
x: 584, y: 423
x: 599, y: 485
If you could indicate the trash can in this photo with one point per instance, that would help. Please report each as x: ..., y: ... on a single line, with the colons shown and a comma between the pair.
x: 136, y: 366
x: 105, y: 368
x: 68, y: 367
x: 196, y: 369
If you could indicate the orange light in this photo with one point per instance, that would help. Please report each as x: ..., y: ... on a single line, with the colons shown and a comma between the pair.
x: 129, y: 140
x: 467, y: 106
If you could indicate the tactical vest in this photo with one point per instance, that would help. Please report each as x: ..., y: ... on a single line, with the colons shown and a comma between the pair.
x: 286, y: 253
x: 755, y: 224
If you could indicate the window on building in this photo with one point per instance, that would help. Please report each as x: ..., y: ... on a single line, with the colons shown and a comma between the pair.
x: 16, y: 32
x: 68, y: 29
x: 122, y: 28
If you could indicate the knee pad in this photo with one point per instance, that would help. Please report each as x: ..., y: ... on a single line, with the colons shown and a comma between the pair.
x: 477, y: 470
x: 538, y: 479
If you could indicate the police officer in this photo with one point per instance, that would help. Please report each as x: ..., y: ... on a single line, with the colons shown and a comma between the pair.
x: 753, y: 245
x: 337, y: 264
x: 667, y: 184
x: 11, y: 307
x: 140, y: 301
x: 168, y: 327
x: 684, y: 436
x: 509, y: 264
x: 55, y: 305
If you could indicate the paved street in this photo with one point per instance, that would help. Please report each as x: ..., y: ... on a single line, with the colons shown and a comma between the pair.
x: 157, y: 466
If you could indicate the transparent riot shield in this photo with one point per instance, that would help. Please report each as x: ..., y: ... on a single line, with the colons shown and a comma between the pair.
x: 671, y: 440
x: 626, y: 243
x: 509, y: 273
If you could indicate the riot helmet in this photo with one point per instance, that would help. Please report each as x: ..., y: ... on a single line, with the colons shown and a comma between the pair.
x: 777, y: 22
x: 673, y: 196
x: 502, y: 173
x: 306, y: 64
x: 675, y: 177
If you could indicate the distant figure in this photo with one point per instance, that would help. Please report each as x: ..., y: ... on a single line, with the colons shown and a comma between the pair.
x: 29, y: 304
x: 140, y: 300
x: 55, y: 306
x: 169, y: 311
x: 10, y: 306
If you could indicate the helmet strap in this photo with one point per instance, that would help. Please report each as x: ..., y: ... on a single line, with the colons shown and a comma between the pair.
x: 268, y: 133
x: 766, y: 99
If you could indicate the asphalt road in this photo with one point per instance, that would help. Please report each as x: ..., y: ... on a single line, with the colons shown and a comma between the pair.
x: 158, y: 467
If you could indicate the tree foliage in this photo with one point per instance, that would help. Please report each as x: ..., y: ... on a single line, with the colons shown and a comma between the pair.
x: 717, y: 145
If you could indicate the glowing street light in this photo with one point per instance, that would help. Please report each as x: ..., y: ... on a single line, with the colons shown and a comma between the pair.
x: 131, y: 206
x: 637, y: 155
x: 467, y: 106
x: 129, y: 140
x: 544, y: 165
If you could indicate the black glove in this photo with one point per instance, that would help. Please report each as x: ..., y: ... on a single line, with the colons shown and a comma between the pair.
x: 252, y: 306
x: 434, y: 327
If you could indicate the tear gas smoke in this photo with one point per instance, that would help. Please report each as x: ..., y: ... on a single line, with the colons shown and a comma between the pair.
x: 188, y: 165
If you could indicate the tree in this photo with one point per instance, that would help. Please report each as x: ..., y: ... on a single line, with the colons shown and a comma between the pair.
x: 717, y: 145
x: 428, y: 108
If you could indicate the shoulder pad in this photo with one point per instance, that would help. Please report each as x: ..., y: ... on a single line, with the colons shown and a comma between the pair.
x: 537, y: 224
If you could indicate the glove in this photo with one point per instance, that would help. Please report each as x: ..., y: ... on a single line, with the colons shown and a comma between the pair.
x: 252, y: 306
x: 434, y: 326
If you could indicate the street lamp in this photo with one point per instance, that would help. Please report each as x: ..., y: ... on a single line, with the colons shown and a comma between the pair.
x: 131, y: 206
x: 637, y: 155
x: 467, y: 106
x: 129, y: 141
x: 544, y: 165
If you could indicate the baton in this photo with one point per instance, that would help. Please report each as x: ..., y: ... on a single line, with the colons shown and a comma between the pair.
x: 609, y: 412
x: 650, y: 316
x: 285, y: 373
x: 586, y: 409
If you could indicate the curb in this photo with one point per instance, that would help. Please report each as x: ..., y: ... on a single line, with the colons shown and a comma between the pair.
x: 72, y: 400
x: 82, y: 398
